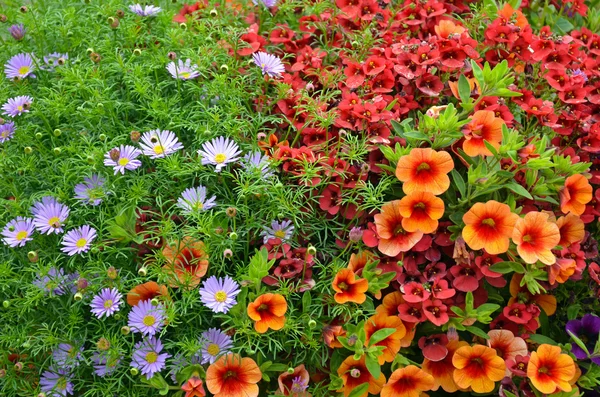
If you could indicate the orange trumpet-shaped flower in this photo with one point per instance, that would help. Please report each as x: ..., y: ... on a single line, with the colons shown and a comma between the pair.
x: 576, y: 193
x: 443, y: 370
x: 420, y: 212
x: 233, y: 376
x: 484, y: 126
x: 447, y: 27
x: 478, y: 367
x: 561, y: 270
x: 193, y: 387
x: 535, y: 237
x: 425, y: 170
x: 354, y: 373
x: 489, y: 226
x: 507, y: 346
x: 393, y: 342
x: 286, y: 382
x: 348, y: 289
x: 409, y: 381
x: 187, y: 262
x: 571, y: 228
x: 146, y: 291
x: 393, y: 239
x: 268, y: 310
x: 549, y: 370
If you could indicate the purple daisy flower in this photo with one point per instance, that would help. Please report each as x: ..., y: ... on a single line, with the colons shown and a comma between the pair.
x: 54, y: 60
x: 146, y: 318
x: 147, y: 11
x: 7, y: 131
x: 123, y: 158
x: 17, y: 106
x: 214, y: 344
x: 147, y: 357
x: 269, y: 64
x: 299, y: 385
x: 218, y: 294
x: 67, y: 355
x: 56, y: 382
x: 57, y: 282
x: 105, y: 363
x: 220, y: 151
x: 78, y: 240
x: 257, y: 162
x: 19, y: 67
x: 183, y: 71
x: 267, y: 3
x: 17, y: 31
x: 91, y: 190
x: 194, y: 200
x: 587, y: 330
x: 18, y: 231
x: 281, y: 230
x: 106, y: 303
x: 157, y: 143
x: 49, y: 215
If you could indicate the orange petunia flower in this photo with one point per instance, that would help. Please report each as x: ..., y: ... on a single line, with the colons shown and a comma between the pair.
x: 233, y: 376
x: 425, y: 170
x: 268, y: 310
x: 571, y: 229
x: 507, y: 346
x: 193, y: 387
x: 484, y: 125
x: 187, y: 262
x: 446, y: 27
x: 331, y: 333
x: 409, y: 381
x: 535, y: 237
x: 146, y: 291
x: 354, y: 373
x: 443, y: 371
x: 509, y: 13
x: 348, y: 289
x: 489, y: 226
x: 359, y: 261
x: 549, y: 370
x: 576, y: 193
x: 391, y: 343
x: 390, y: 304
x: 393, y: 239
x: 561, y: 270
x: 420, y: 212
x: 478, y: 367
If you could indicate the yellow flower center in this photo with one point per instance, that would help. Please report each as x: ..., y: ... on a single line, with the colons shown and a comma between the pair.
x: 213, y: 349
x: 54, y: 221
x: 280, y: 234
x: 21, y: 235
x: 81, y: 243
x: 151, y: 357
x: 108, y: 303
x: 61, y: 384
x: 185, y: 75
x: 221, y: 296
x: 149, y: 320
x: 20, y: 108
x: 527, y: 238
x: 4, y: 134
x: 159, y: 149
x: 220, y: 158
x: 199, y: 205
x: 123, y: 161
x: 423, y: 167
x: 489, y: 222
x: 24, y: 70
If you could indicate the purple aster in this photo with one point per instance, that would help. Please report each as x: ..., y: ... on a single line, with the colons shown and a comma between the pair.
x: 214, y: 344
x: 157, y: 143
x: 67, y: 355
x: 147, y: 357
x: 106, y: 303
x: 183, y: 71
x: 6, y: 131
x: 56, y: 382
x: 49, y: 215
x: 194, y: 199
x: 146, y: 318
x: 269, y: 64
x: 257, y: 162
x: 91, y: 190
x: 267, y: 3
x: 53, y: 60
x: 218, y: 294
x: 19, y: 67
x: 17, y: 106
x: 57, y: 282
x: 18, y: 231
x: 281, y: 230
x: 105, y: 363
x: 147, y: 11
x: 579, y: 72
x: 220, y: 151
x: 17, y: 31
x: 78, y: 240
x: 123, y: 158
x: 299, y: 385
x: 587, y: 330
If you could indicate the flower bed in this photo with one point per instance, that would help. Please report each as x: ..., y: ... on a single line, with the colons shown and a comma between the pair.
x: 300, y: 198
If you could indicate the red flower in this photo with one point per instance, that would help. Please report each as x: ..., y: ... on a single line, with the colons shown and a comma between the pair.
x: 393, y: 239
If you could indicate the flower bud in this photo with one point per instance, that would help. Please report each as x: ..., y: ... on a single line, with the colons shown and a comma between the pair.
x: 6, y: 304
x: 261, y: 136
x: 227, y: 253
x: 114, y: 154
x: 231, y: 212
x: 312, y: 323
x: 1, y: 121
x: 89, y: 51
x: 95, y: 57
x: 103, y: 344
x: 233, y: 236
x: 39, y: 135
x: 118, y: 316
x: 120, y: 13
x: 355, y: 234
x: 28, y: 150
x: 355, y: 373
x: 311, y: 250
x: 113, y: 22
x: 125, y: 330
x: 56, y: 151
x: 135, y: 136
x: 112, y: 273
x: 42, y: 394
x: 134, y: 371
x: 90, y: 159
x: 78, y: 296
x: 143, y: 271
x: 172, y: 56
x: 219, y: 230
x: 137, y: 52
x: 57, y: 132
x: 82, y: 283
x: 32, y: 256
x: 3, y: 18
x: 23, y: 9
x: 279, y: 185
x: 224, y: 68
x: 213, y: 13
x: 154, y: 302
x: 183, y: 26
x: 2, y: 373
x: 102, y: 137
x: 310, y: 87
x: 94, y: 250
x: 290, y: 370
x: 352, y: 340
x: 18, y: 366
x: 26, y: 345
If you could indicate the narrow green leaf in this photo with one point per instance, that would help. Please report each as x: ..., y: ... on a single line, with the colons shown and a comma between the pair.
x: 478, y: 331
x: 507, y: 267
x: 360, y: 390
x: 516, y: 188
x: 372, y: 365
x: 464, y: 89
x: 460, y: 182
x: 541, y: 339
x: 380, y: 335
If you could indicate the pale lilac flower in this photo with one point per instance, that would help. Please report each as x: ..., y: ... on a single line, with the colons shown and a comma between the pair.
x: 194, y: 200
x: 57, y: 282
x: 183, y: 71
x: 214, y: 344
x: 19, y: 67
x: 78, y: 240
x: 218, y: 294
x: 269, y: 64
x: 281, y: 230
x: 7, y: 131
x: 91, y: 190
x: 49, y: 215
x: 17, y: 106
x: 56, y: 382
x: 106, y: 303
x: 123, y: 158
x: 220, y: 152
x: 105, y: 363
x: 257, y: 162
x: 17, y: 31
x: 267, y: 3
x: 147, y: 11
x: 67, y: 355
x: 147, y: 357
x: 53, y: 60
x: 146, y: 318
x: 18, y: 231
x: 299, y: 385
x: 157, y: 143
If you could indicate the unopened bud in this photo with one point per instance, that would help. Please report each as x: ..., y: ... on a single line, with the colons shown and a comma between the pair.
x: 103, y: 344
x: 89, y: 51
x: 120, y: 13
x: 233, y: 236
x: 102, y: 137
x: 2, y: 373
x: 90, y: 159
x: 224, y: 68
x: 57, y: 132
x: 312, y: 323
x: 172, y: 56
x: 134, y: 371
x: 310, y: 87
x: 38, y: 135
x: 154, y: 302
x: 95, y: 57
x: 228, y: 253
x: 352, y: 340
x: 213, y: 13
x: 32, y: 256
x: 135, y: 136
x: 231, y: 212
x: 183, y: 26
x: 114, y: 154
x: 125, y: 330
x: 56, y: 151
x: 311, y: 250
x: 78, y: 296
x: 113, y: 22
x: 355, y: 373
x: 219, y: 230
x: 290, y: 370
x: 143, y: 271
x: 6, y: 304
x: 355, y: 234
x: 18, y: 366
x: 82, y: 283
x: 23, y: 9
x: 137, y: 52
x: 3, y: 18
x: 42, y: 394
x: 261, y: 136
x: 28, y: 150
x: 112, y: 273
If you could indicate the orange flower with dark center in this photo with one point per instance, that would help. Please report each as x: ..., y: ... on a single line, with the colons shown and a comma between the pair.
x: 393, y: 239
x: 331, y: 333
x: 392, y: 342
x: 478, y: 367
x: 425, y: 170
x: 268, y: 311
x: 535, y: 237
x: 571, y: 229
x: 576, y: 193
x: 146, y: 291
x: 233, y: 376
x: 443, y: 370
x: 409, y: 381
x: 489, y: 226
x: 549, y: 370
x: 360, y: 260
x: 484, y: 126
x: 348, y: 289
x: 193, y: 387
x: 187, y: 262
x: 507, y: 346
x: 354, y: 373
x: 420, y: 211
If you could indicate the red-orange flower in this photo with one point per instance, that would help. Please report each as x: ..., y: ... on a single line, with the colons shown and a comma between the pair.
x: 268, y: 310
x: 478, y: 367
x: 561, y: 270
x: 193, y: 387
x: 549, y: 370
x: 331, y: 334
x: 507, y: 346
x: 392, y: 342
x: 359, y: 261
x: 443, y: 370
x: 286, y: 382
x: 489, y: 226
x: 409, y: 381
x: 393, y: 239
x: 571, y: 229
x: 146, y: 291
x: 187, y: 262
x: 446, y: 27
x: 348, y: 289
x: 535, y: 237
x: 425, y: 170
x: 420, y: 212
x: 233, y: 376
x: 354, y: 373
x: 576, y: 193
x: 484, y: 125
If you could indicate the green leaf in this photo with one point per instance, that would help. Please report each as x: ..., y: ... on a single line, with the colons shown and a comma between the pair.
x: 579, y: 343
x: 573, y: 311
x: 459, y: 182
x: 478, y: 331
x: 360, y: 390
x: 516, y: 188
x: 478, y: 73
x: 507, y: 267
x: 306, y: 301
x: 563, y: 26
x: 372, y: 365
x: 380, y: 335
x: 508, y: 394
x: 464, y: 89
x: 398, y: 129
x: 515, y: 4
x: 491, y: 148
x: 541, y: 339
